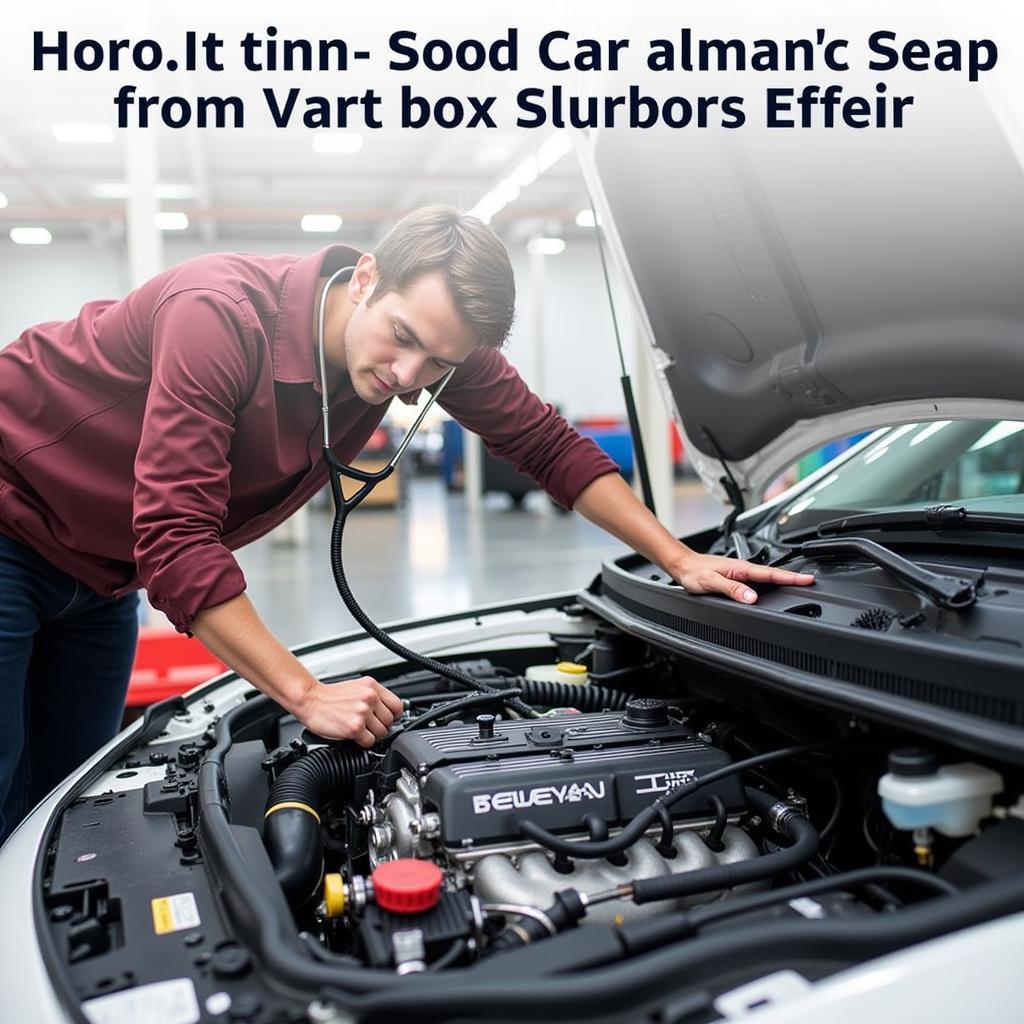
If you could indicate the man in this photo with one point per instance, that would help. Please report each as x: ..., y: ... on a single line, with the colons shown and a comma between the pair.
x: 144, y: 440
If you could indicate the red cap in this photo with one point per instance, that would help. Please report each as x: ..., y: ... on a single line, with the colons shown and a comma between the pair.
x: 407, y: 886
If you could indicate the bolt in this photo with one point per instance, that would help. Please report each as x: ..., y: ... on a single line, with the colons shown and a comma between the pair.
x: 325, y: 1013
x: 381, y: 836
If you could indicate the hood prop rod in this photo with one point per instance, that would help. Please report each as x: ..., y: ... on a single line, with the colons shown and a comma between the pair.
x: 729, y: 485
x: 627, y: 385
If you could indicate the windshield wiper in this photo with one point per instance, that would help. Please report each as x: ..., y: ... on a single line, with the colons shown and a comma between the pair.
x: 935, y: 517
x: 951, y: 592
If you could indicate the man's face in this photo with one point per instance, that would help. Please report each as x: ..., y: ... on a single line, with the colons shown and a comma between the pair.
x: 404, y: 340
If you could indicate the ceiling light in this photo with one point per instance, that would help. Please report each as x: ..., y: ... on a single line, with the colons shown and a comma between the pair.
x: 31, y: 236
x: 553, y: 150
x: 3, y: 201
x: 170, y: 220
x: 322, y: 222
x: 544, y: 246
x: 122, y: 190
x: 337, y: 142
x: 70, y: 132
x: 586, y: 219
x: 492, y: 153
x: 526, y: 173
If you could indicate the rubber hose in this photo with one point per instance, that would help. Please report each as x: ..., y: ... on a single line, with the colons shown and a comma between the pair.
x: 725, y: 876
x: 642, y: 936
x: 585, y: 850
x: 291, y: 827
x: 571, y: 695
x: 341, y: 582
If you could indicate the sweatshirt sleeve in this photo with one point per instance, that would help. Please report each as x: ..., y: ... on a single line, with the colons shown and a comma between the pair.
x: 202, y: 350
x: 486, y: 395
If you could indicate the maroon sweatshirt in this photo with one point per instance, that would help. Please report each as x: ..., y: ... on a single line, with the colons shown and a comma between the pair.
x: 144, y: 440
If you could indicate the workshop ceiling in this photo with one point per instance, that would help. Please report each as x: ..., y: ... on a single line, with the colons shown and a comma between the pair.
x: 259, y: 181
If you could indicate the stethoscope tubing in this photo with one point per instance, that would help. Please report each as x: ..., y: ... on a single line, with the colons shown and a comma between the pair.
x: 335, y: 466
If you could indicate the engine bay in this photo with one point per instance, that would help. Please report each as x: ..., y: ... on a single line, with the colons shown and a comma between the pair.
x: 659, y: 828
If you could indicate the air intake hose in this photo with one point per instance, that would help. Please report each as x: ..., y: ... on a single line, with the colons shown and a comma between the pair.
x: 291, y: 825
x: 572, y: 695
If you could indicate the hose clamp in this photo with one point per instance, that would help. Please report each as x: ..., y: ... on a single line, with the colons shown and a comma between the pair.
x: 780, y: 815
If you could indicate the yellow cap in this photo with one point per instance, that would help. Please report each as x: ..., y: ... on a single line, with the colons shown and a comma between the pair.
x: 334, y: 895
x: 572, y: 668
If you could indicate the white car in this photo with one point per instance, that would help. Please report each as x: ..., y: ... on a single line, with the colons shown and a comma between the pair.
x: 649, y: 806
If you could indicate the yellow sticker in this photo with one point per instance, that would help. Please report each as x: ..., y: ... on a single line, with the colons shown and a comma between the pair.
x: 173, y: 913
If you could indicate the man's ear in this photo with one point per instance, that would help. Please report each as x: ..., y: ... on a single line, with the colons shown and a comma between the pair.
x: 363, y: 279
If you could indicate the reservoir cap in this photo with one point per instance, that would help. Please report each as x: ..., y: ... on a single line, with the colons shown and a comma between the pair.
x: 407, y: 885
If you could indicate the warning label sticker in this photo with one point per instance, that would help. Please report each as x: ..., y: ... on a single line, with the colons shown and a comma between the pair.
x: 164, y: 1002
x: 172, y: 913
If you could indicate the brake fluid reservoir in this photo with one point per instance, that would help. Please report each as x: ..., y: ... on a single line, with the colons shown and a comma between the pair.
x: 563, y: 672
x: 916, y: 793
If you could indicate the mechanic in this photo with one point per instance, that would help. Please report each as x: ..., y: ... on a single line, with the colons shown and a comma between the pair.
x: 144, y: 440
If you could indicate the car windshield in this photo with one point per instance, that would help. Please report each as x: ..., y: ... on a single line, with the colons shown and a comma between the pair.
x: 978, y: 464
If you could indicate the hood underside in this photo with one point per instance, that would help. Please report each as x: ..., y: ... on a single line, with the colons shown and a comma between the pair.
x: 798, y: 286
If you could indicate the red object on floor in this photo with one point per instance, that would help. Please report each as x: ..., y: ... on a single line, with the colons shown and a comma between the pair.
x: 168, y: 663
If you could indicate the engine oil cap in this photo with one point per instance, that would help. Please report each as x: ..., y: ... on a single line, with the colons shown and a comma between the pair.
x: 646, y: 713
x: 407, y: 885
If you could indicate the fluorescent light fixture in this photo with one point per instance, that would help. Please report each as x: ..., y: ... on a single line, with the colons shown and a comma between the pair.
x: 170, y: 220
x: 31, y: 236
x: 70, y: 132
x: 586, y: 219
x: 492, y: 153
x: 122, y: 190
x: 337, y: 142
x: 553, y: 150
x: 323, y: 222
x: 526, y: 173
x: 544, y: 246
x: 1001, y: 431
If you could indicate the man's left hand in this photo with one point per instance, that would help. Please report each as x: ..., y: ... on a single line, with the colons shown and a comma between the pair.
x: 715, y: 574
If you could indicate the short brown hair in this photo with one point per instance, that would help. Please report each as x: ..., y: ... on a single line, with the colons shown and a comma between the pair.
x: 472, y: 258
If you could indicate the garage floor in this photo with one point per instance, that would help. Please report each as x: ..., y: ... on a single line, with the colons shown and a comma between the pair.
x: 432, y: 556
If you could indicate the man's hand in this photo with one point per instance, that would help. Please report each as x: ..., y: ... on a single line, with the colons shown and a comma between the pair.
x: 358, y: 709
x: 715, y: 574
x: 608, y: 502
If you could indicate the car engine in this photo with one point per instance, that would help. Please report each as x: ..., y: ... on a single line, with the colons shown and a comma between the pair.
x: 462, y: 792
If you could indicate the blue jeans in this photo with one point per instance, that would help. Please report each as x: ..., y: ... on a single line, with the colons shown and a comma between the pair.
x: 66, y: 655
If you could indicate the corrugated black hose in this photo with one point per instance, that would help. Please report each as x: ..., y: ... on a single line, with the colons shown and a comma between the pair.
x: 572, y: 695
x: 291, y: 825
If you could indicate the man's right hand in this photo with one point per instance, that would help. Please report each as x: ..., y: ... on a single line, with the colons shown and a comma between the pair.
x: 357, y: 709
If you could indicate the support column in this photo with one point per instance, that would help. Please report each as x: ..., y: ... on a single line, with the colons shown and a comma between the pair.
x: 145, y: 242
x: 537, y: 275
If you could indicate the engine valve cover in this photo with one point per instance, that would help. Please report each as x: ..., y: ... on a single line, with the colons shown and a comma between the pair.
x: 556, y: 771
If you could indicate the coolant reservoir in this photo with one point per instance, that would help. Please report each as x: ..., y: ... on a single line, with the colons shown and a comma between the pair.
x: 563, y: 672
x: 953, y: 799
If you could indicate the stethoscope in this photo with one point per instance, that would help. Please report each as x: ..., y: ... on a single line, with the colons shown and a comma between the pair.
x: 342, y: 506
x: 335, y: 467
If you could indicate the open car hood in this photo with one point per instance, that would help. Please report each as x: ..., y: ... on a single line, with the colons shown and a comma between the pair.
x: 800, y: 286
